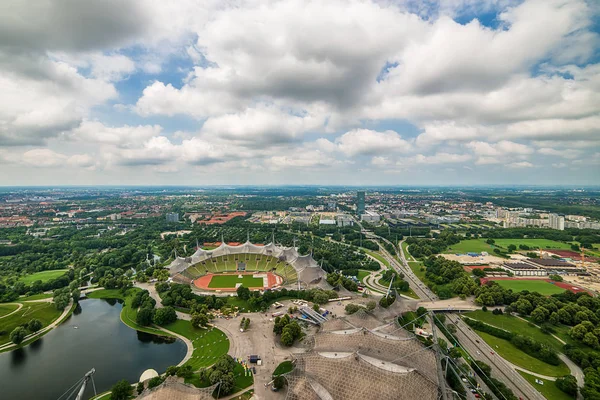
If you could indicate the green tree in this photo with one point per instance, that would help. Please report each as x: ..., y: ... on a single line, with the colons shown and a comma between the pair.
x: 567, y: 384
x: 286, y: 338
x: 34, y: 325
x: 540, y: 314
x: 154, y: 382
x: 144, y: 316
x: 165, y: 316
x: 352, y: 308
x: 371, y: 304
x: 18, y: 335
x: 243, y: 293
x: 199, y: 320
x: 140, y: 387
x: 75, y: 294
x: 122, y: 390
x: 591, y: 340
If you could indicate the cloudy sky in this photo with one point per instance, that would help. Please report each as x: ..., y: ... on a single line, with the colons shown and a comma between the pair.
x: 299, y: 92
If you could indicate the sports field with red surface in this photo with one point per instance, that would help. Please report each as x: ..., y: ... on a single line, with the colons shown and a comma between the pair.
x: 227, y: 282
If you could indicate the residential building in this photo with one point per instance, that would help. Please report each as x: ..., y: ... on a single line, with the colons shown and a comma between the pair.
x: 360, y: 203
x: 556, y: 221
x: 172, y: 217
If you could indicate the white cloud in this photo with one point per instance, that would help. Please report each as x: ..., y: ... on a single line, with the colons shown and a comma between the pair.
x: 369, y: 142
x: 564, y: 153
x: 520, y: 164
x: 123, y: 136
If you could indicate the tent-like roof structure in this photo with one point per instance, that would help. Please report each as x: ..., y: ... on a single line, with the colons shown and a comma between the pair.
x: 306, y: 267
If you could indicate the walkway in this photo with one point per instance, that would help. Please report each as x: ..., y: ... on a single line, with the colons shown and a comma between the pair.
x: 19, y: 306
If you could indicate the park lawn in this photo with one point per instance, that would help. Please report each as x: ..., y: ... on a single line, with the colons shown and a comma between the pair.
x: 362, y: 274
x: 416, y: 268
x: 229, y: 281
x: 480, y: 245
x: 209, y: 344
x: 283, y: 368
x: 512, y: 354
x: 377, y: 256
x: 46, y: 312
x: 549, y: 389
x: 533, y: 285
x: 534, y: 243
x: 128, y: 314
x: 38, y: 296
x: 42, y: 276
x: 6, y: 309
x: 470, y: 246
x: 407, y: 254
x: 516, y: 326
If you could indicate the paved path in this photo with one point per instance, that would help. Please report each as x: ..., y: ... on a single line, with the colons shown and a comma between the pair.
x: 19, y: 306
x: 55, y: 323
x: 188, y: 343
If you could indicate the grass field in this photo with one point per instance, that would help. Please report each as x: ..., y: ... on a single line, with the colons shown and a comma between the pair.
x: 479, y: 245
x: 377, y: 256
x: 540, y: 286
x: 283, y: 368
x: 45, y: 312
x: 517, y: 326
x: 42, y: 276
x: 38, y: 296
x: 6, y: 309
x: 548, y: 389
x: 512, y: 354
x: 362, y: 274
x: 407, y: 254
x: 209, y: 344
x: 229, y: 281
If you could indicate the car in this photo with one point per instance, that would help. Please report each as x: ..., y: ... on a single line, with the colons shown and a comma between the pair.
x: 477, y: 395
x: 477, y: 341
x: 491, y: 352
x: 478, y: 352
x: 473, y: 391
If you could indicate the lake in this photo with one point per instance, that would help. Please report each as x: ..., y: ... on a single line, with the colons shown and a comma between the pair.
x: 48, y: 367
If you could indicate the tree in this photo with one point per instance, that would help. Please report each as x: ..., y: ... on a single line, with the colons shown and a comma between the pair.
x: 591, y: 340
x: 199, y: 320
x: 122, y: 390
x: 352, y: 308
x: 164, y: 316
x: 18, y: 335
x: 34, y: 325
x: 511, y: 248
x: 286, y: 338
x: 154, y: 382
x: 243, y: 293
x: 145, y: 316
x: 75, y: 294
x: 490, y: 241
x: 140, y: 387
x: 578, y: 332
x: 567, y: 384
x: 371, y: 304
x: 540, y: 314
x: 172, y: 370
x: 279, y: 382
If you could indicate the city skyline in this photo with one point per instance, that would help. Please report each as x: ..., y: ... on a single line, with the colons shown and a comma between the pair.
x: 362, y: 93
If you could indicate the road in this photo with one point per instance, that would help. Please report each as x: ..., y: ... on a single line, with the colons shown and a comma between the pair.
x: 501, y: 369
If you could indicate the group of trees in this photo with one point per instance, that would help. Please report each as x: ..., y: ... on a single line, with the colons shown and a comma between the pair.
x: 448, y: 277
x: 337, y: 280
x: 580, y: 311
x: 221, y: 374
x: 388, y: 300
x: 20, y: 332
x: 245, y: 323
x: 288, y: 328
x: 145, y: 305
x: 398, y: 282
x: 420, y: 248
x: 352, y: 308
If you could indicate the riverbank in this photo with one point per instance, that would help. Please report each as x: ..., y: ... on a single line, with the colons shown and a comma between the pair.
x: 35, y: 336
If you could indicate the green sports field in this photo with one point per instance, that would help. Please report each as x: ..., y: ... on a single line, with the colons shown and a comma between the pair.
x: 42, y: 276
x: 542, y: 287
x: 229, y: 281
x: 480, y: 245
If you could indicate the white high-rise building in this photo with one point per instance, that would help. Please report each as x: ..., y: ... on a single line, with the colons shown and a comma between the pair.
x: 556, y: 221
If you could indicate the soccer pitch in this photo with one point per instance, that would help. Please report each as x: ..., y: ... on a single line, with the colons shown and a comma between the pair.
x: 229, y: 281
x: 540, y: 286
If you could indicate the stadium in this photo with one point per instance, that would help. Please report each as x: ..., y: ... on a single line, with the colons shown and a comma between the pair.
x: 257, y: 267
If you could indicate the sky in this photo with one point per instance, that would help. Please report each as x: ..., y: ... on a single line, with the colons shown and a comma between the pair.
x: 389, y: 92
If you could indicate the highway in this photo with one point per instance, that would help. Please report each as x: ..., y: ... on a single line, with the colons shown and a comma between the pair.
x: 501, y: 369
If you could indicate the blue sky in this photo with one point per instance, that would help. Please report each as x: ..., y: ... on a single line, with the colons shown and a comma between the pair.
x: 343, y: 92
